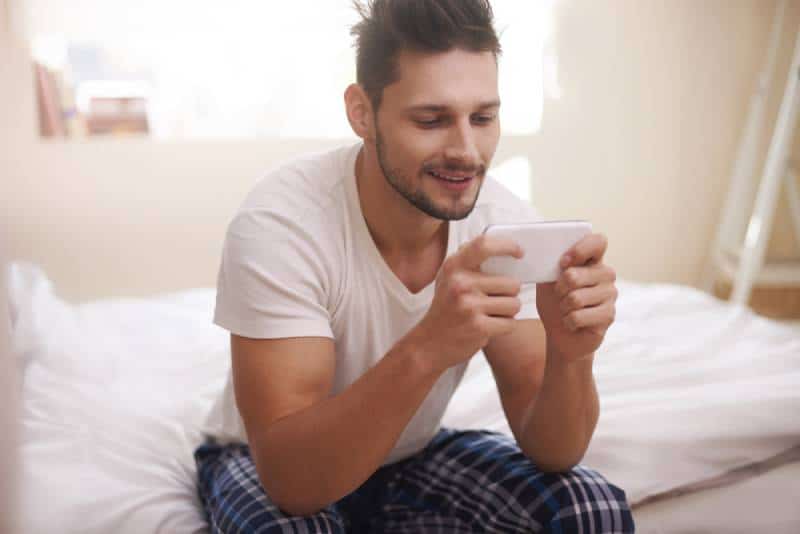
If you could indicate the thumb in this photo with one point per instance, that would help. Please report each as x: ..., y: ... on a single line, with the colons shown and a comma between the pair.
x: 546, y: 293
x: 547, y: 288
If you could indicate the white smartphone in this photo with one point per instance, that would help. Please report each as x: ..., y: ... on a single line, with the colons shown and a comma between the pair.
x: 544, y: 243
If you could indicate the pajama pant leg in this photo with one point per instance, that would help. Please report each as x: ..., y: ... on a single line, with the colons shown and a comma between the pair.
x: 462, y: 482
x: 479, y: 481
x: 235, y: 502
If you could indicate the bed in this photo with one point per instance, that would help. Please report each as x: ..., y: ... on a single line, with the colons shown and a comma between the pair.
x: 699, y: 423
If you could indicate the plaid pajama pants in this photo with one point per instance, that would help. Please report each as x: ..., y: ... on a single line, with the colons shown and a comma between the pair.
x: 462, y: 482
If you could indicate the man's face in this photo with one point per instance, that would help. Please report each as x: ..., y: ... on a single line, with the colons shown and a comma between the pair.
x: 437, y: 129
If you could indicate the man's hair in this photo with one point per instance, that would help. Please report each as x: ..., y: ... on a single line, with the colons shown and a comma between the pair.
x: 388, y: 27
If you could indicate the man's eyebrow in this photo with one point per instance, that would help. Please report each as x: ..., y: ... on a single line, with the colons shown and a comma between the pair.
x: 438, y: 108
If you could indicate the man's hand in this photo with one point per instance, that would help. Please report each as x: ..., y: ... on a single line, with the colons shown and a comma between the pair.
x: 469, y: 307
x: 577, y: 309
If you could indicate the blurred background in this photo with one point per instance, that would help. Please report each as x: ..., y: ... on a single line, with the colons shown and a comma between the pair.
x: 131, y: 131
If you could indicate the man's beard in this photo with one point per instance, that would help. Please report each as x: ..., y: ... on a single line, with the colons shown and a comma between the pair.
x: 417, y: 197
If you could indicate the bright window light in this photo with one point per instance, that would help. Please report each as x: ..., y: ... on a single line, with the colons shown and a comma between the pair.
x: 250, y: 68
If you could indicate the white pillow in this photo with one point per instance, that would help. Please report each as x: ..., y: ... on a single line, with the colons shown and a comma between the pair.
x: 114, y: 392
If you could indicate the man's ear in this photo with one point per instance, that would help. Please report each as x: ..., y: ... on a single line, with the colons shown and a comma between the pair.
x: 359, y: 112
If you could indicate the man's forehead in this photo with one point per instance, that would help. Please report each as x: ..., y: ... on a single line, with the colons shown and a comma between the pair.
x: 456, y: 78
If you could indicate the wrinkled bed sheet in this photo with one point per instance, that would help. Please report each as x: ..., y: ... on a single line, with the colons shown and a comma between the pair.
x: 115, y: 391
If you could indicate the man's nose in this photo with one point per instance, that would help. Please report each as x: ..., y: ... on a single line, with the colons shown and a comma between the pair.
x: 461, y: 145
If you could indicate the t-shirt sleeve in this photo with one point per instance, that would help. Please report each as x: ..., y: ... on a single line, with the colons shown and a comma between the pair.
x: 272, y: 280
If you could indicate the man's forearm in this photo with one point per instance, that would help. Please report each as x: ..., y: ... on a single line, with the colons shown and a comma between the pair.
x: 318, y: 455
x: 560, y: 421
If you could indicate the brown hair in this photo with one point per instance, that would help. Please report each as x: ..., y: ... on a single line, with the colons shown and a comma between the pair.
x: 389, y: 26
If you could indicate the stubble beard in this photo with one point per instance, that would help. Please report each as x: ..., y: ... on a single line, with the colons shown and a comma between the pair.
x: 418, y: 198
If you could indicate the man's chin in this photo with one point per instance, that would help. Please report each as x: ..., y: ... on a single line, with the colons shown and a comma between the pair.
x: 448, y: 213
x: 457, y: 216
x: 459, y: 211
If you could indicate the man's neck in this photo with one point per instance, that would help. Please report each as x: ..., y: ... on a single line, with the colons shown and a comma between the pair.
x: 399, y: 229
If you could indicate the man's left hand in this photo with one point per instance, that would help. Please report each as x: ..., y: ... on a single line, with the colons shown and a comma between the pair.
x: 577, y: 309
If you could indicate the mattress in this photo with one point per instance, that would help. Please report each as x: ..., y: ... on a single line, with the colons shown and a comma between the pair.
x: 763, y: 502
x: 114, y: 393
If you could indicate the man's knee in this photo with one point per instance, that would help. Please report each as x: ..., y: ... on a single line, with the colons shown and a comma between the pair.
x: 242, y: 512
x: 583, y: 500
x: 235, y: 502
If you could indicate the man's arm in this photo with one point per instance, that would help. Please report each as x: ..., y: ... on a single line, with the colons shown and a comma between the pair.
x: 551, y: 406
x: 311, y: 449
x: 544, y: 368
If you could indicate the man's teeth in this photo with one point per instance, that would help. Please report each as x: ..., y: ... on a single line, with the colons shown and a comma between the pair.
x: 450, y: 178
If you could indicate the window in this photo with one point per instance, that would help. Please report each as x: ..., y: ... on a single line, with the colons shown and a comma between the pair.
x: 181, y: 69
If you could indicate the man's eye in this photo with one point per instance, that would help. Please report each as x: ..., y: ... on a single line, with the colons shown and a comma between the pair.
x: 484, y: 119
x: 428, y: 122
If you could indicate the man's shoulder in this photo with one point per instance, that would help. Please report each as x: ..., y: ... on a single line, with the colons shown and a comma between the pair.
x: 303, y: 198
x: 305, y: 188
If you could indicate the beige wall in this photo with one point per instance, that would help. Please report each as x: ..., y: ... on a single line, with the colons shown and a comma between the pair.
x: 644, y: 138
x: 654, y: 95
x: 9, y: 380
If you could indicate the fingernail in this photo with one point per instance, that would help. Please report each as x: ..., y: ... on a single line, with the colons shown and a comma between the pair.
x: 565, y: 260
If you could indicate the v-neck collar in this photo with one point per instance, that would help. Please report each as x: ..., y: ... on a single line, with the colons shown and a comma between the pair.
x: 411, y: 301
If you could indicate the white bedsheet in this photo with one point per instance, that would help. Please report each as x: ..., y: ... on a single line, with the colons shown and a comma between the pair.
x: 114, y: 392
x: 690, y: 387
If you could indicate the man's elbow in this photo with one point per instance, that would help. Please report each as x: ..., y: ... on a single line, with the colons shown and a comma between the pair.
x: 286, y: 491
x: 555, y: 463
x: 297, y: 509
x: 556, y: 467
x: 291, y: 501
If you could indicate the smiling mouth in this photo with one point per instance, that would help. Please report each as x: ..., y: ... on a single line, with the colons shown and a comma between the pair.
x: 455, y: 178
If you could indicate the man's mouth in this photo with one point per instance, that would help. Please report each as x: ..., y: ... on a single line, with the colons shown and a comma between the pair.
x: 450, y: 176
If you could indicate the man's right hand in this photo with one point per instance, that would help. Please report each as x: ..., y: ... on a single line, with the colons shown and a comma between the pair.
x: 469, y: 307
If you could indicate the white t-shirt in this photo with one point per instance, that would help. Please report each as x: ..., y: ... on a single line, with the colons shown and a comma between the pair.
x: 298, y: 260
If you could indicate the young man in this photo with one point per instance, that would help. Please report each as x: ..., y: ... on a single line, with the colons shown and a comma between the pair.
x: 351, y: 286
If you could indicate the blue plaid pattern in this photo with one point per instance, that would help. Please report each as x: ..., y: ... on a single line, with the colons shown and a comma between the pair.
x: 462, y: 482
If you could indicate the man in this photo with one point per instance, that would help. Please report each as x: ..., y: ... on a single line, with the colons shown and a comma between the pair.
x: 351, y: 286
